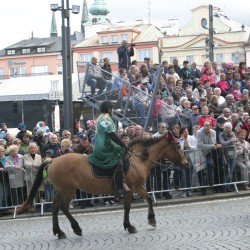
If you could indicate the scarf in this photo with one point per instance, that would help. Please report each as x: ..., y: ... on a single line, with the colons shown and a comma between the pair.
x: 3, y: 160
x: 16, y: 160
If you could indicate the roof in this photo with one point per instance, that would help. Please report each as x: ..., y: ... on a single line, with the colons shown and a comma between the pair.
x: 146, y: 33
x: 35, y: 88
x: 53, y: 43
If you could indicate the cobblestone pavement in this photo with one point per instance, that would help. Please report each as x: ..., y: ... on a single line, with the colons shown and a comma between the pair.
x: 220, y: 224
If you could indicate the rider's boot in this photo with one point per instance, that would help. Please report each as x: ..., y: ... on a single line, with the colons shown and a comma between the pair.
x: 125, y: 186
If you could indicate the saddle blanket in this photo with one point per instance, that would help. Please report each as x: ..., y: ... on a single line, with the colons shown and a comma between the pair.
x: 108, y: 173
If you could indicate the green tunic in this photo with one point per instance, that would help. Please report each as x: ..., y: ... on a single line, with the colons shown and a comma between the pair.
x: 106, y: 153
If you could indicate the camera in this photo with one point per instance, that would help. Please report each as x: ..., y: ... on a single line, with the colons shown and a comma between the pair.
x: 132, y: 44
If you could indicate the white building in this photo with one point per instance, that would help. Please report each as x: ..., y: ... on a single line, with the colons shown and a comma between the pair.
x: 230, y: 39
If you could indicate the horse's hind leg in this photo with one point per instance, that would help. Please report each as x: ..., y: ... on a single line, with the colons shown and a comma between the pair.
x: 55, y: 210
x: 151, y: 215
x: 127, y: 205
x: 65, y: 209
x: 74, y: 224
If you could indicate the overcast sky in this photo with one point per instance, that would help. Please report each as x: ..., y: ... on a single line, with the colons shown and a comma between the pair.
x: 18, y: 18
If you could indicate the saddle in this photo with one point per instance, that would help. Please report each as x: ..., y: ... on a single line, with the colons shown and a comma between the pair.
x: 108, y: 173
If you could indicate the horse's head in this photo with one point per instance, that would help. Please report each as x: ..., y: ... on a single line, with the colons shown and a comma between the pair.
x: 174, y: 153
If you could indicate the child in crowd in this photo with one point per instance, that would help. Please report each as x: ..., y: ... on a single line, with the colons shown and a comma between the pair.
x: 125, y: 138
x: 49, y: 189
x: 237, y: 78
x: 236, y: 92
x: 194, y: 118
x: 223, y: 85
x: 185, y: 115
x: 206, y: 117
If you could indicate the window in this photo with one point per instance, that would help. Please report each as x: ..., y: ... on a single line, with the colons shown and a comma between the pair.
x: 40, y: 49
x: 115, y: 39
x: 171, y: 59
x: 236, y: 57
x: 219, y: 58
x: 124, y: 37
x: 1, y: 74
x: 59, y: 57
x: 17, y: 72
x: 190, y: 59
x: 59, y: 69
x: 11, y: 52
x: 107, y: 54
x: 25, y: 51
x: 105, y: 39
x: 39, y: 70
x: 86, y: 57
x: 144, y: 53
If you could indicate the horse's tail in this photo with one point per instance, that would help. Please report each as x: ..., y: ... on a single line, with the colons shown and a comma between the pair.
x: 37, y: 183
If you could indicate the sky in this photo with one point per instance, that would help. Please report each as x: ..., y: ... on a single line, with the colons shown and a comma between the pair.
x: 18, y: 19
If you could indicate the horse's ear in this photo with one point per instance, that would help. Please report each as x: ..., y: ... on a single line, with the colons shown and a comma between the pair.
x: 170, y: 136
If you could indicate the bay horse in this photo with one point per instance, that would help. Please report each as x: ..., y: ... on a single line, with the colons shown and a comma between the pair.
x: 72, y: 171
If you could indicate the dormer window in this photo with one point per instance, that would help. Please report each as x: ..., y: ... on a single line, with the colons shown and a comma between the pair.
x: 25, y: 51
x: 105, y: 39
x: 40, y: 49
x: 11, y: 52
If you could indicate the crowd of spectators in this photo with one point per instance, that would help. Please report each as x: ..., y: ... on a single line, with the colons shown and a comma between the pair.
x: 206, y: 109
x: 210, y: 102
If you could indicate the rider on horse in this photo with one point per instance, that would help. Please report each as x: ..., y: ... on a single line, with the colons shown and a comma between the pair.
x: 109, y: 150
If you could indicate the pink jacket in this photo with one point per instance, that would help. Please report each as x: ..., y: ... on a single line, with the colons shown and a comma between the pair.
x: 223, y: 85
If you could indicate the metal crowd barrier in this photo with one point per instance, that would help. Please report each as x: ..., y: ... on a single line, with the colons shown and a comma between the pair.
x: 167, y: 177
x: 12, y: 194
x: 164, y: 179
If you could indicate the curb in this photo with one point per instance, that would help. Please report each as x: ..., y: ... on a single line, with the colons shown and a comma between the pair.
x: 137, y: 204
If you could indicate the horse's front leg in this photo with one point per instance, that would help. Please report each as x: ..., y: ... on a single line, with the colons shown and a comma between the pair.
x: 127, y: 205
x: 151, y: 214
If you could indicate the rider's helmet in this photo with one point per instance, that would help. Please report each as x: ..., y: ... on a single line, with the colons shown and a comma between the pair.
x: 105, y: 106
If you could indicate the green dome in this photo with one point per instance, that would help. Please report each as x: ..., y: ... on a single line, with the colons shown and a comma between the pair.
x: 99, y: 8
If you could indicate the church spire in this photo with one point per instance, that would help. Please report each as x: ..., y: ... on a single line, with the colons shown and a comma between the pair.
x: 53, y: 27
x: 85, y: 17
x: 85, y: 13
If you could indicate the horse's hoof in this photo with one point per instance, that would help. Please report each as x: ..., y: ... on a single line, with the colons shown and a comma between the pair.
x: 62, y: 236
x: 152, y: 222
x: 132, y: 230
x: 79, y: 233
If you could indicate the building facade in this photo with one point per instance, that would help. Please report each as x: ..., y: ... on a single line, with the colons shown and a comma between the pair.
x: 105, y: 43
x: 230, y: 38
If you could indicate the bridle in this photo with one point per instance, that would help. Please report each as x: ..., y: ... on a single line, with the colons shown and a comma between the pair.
x: 176, y: 145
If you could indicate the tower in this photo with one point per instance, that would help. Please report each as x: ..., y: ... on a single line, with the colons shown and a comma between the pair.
x: 85, y: 17
x: 53, y: 27
x: 98, y: 21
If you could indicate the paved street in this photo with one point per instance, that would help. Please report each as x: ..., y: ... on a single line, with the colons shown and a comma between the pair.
x: 223, y: 224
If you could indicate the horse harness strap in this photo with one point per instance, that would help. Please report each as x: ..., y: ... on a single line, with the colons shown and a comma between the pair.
x: 138, y: 155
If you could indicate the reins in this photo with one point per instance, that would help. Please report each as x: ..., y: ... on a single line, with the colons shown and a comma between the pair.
x: 139, y: 155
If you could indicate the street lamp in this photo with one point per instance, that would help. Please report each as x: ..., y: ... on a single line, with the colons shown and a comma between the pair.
x: 210, y: 40
x: 66, y: 57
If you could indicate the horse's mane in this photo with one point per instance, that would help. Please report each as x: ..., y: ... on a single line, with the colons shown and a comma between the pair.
x: 146, y: 142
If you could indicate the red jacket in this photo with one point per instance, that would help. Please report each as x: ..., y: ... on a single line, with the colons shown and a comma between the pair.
x: 203, y: 119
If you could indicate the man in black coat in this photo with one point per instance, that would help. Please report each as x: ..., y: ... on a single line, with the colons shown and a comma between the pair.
x: 124, y: 53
